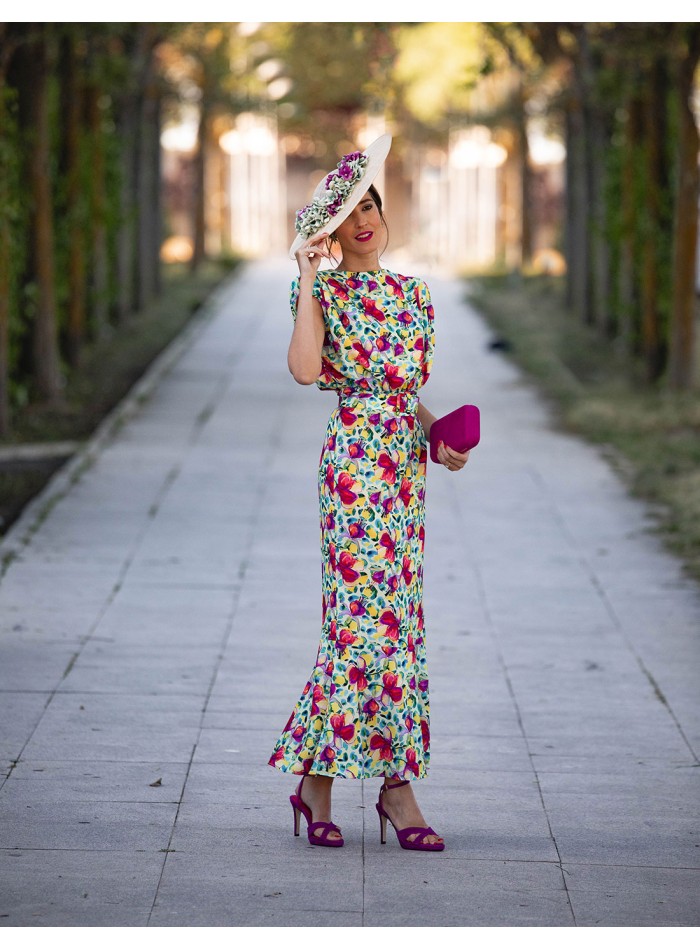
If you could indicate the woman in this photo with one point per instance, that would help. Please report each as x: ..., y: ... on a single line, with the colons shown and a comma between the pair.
x: 366, y: 333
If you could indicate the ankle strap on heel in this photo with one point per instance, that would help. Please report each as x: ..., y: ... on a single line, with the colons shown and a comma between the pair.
x: 396, y: 784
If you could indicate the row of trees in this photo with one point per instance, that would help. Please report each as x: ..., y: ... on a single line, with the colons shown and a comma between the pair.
x: 622, y: 96
x: 80, y: 210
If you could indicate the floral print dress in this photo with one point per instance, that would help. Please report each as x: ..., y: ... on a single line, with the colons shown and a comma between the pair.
x: 364, y: 710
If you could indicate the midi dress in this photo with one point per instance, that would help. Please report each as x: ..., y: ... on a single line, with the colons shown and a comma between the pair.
x: 364, y: 710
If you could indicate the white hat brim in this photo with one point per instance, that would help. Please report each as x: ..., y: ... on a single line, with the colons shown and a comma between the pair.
x: 376, y: 154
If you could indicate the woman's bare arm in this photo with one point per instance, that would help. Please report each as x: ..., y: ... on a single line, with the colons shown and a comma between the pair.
x: 304, y: 354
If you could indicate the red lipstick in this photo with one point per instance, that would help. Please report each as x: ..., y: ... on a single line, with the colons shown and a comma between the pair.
x: 364, y: 236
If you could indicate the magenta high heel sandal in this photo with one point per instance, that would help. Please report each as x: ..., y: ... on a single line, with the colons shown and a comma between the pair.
x: 299, y: 807
x: 418, y: 844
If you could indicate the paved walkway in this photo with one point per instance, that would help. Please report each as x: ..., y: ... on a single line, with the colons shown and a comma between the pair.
x: 158, y: 624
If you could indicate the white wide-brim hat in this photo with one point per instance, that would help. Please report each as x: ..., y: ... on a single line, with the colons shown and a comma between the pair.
x: 316, y: 212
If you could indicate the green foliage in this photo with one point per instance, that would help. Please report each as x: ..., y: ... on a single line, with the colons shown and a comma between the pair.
x: 14, y: 222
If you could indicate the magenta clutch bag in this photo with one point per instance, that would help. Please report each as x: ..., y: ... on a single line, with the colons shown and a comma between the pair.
x: 459, y: 429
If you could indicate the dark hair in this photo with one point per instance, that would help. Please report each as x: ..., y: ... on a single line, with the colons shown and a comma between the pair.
x: 376, y: 197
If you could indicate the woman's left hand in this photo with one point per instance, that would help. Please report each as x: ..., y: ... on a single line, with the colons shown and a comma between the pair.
x: 450, y: 459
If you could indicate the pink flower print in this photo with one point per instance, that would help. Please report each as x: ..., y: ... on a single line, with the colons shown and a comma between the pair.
x: 347, y: 417
x: 425, y: 733
x: 354, y: 282
x: 389, y: 464
x: 411, y: 762
x: 318, y: 700
x: 328, y: 754
x: 408, y: 723
x: 355, y: 530
x: 330, y: 520
x: 374, y: 418
x: 382, y: 343
x: 393, y: 376
x: 423, y: 685
x: 345, y: 171
x: 394, y: 286
x: 342, y: 731
x: 333, y: 630
x: 362, y: 354
x: 390, y: 622
x: 410, y: 527
x: 388, y: 504
x: 356, y: 675
x: 391, y: 691
x: 382, y: 745
x: 372, y: 310
x: 398, y: 349
x: 357, y: 608
x: 346, y: 566
x: 389, y: 544
x: 344, y: 485
x: 338, y: 288
x: 392, y: 582
x: 331, y: 556
x: 389, y: 650
x: 411, y: 652
x: 330, y: 481
x: 332, y: 600
x: 406, y: 571
x: 375, y: 497
x: 328, y: 369
x: 289, y: 722
x: 372, y: 284
x: 346, y: 638
x: 391, y: 425
x: 405, y: 317
x: 299, y: 733
x: 356, y: 450
x: 276, y: 756
x: 370, y: 708
x: 378, y: 577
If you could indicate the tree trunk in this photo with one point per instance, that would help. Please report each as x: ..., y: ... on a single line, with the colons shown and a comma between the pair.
x: 199, y: 223
x: 98, y: 227
x: 45, y: 352
x: 5, y: 285
x: 146, y: 185
x: 72, y: 89
x: 628, y: 295
x: 526, y: 236
x: 600, y: 132
x: 653, y: 344
x: 682, y: 342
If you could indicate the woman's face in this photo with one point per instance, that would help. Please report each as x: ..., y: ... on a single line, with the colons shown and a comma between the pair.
x: 363, y: 231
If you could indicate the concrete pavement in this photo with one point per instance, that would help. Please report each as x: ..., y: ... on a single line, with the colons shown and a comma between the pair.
x: 160, y: 613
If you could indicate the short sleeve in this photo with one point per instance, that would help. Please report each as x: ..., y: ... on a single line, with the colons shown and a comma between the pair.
x: 294, y: 294
x: 428, y: 314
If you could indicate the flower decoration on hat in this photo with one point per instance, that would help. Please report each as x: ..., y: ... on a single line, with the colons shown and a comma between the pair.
x: 338, y: 185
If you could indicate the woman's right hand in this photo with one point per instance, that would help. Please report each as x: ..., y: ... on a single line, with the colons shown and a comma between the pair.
x: 310, y: 253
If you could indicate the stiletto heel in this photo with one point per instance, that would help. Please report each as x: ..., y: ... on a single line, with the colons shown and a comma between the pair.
x: 418, y: 843
x: 382, y: 829
x: 301, y: 808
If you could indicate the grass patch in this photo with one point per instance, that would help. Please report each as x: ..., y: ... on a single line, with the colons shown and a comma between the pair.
x: 650, y: 434
x: 108, y: 370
